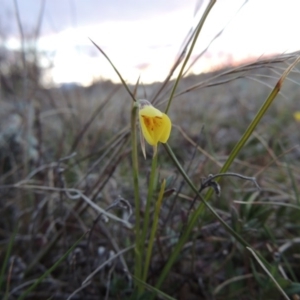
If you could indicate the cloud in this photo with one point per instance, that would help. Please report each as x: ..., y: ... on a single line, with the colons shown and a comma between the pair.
x: 60, y: 15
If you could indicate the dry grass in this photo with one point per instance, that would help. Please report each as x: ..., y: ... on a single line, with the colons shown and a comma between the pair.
x: 38, y: 132
x: 67, y: 221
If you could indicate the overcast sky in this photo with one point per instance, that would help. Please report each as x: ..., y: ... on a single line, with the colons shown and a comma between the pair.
x: 143, y: 37
x: 62, y: 14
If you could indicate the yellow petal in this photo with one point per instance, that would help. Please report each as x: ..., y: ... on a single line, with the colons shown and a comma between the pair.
x: 145, y: 130
x: 166, y: 130
x: 150, y: 111
x: 156, y: 126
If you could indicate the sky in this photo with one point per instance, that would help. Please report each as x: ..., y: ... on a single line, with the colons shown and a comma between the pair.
x: 143, y: 37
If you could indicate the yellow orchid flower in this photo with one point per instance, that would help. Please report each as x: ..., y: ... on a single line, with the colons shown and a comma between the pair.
x: 156, y: 125
x: 297, y: 116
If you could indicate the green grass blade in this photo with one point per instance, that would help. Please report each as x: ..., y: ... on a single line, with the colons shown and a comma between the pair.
x: 227, y: 164
x: 7, y: 254
x: 153, y: 229
x: 268, y: 273
x: 195, y: 216
x: 135, y: 170
x: 152, y: 289
x: 262, y: 111
x: 148, y: 205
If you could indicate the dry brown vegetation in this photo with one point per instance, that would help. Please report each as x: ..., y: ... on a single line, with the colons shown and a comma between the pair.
x: 50, y: 197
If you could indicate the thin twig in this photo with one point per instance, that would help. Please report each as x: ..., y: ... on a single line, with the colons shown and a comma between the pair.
x: 228, y: 174
x: 209, y: 182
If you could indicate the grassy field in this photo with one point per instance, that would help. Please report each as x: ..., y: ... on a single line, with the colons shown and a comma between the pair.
x: 214, y: 215
x: 66, y: 156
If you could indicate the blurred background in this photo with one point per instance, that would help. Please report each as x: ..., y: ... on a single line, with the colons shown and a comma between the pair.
x: 65, y: 129
x: 142, y: 38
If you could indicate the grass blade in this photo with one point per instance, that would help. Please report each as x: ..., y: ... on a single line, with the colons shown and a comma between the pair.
x: 262, y: 111
x: 7, y: 254
x: 153, y: 176
x: 238, y: 147
x: 116, y: 70
x: 154, y: 290
x: 197, y: 32
x: 195, y: 216
x: 135, y: 170
x: 154, y: 228
x: 268, y: 273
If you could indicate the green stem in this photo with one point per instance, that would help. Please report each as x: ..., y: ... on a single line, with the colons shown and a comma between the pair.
x: 138, y: 260
x: 153, y: 230
x: 149, y: 200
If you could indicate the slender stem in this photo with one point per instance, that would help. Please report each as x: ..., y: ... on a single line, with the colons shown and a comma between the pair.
x: 153, y: 229
x: 149, y: 200
x: 138, y: 261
